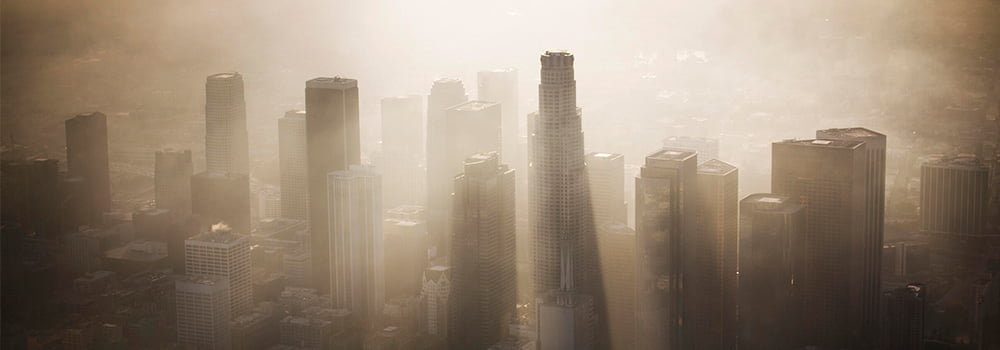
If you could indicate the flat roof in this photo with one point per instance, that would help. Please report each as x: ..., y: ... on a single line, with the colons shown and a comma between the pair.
x: 474, y: 106
x: 966, y: 162
x: 855, y: 132
x: 336, y: 82
x: 226, y: 75
x: 557, y: 52
x: 295, y: 113
x: 672, y: 154
x: 715, y: 166
x: 827, y: 143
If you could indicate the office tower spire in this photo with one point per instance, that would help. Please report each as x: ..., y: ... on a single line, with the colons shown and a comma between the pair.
x: 87, y: 160
x: 333, y: 142
x: 484, y: 276
x: 226, y: 147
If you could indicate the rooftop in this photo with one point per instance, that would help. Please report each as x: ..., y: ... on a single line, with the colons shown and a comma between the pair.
x: 295, y: 113
x: 604, y: 156
x: 962, y: 162
x: 221, y: 233
x: 336, y: 82
x: 769, y: 202
x: 559, y: 52
x: 671, y: 154
x: 824, y: 143
x: 227, y: 75
x: 715, y: 166
x: 474, y: 106
x: 854, y: 133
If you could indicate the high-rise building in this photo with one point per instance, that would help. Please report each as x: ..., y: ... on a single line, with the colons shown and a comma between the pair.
x: 484, y: 277
x: 665, y: 195
x: 405, y: 232
x: 436, y: 292
x: 712, y: 279
x: 828, y: 178
x: 31, y: 195
x: 402, y: 150
x: 226, y: 143
x: 224, y: 253
x: 172, y: 180
x: 87, y: 159
x: 954, y: 195
x: 333, y: 142
x: 874, y: 218
x: 500, y: 85
x: 445, y: 93
x: 356, y: 269
x: 203, y: 312
x: 218, y: 197
x: 769, y: 228
x: 903, y: 317
x: 616, y: 243
x: 706, y: 148
x: 606, y: 176
x: 292, y: 162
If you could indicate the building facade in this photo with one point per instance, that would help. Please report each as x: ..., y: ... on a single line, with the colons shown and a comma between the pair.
x: 293, y: 165
x: 606, y: 178
x: 445, y: 93
x: 226, y: 141
x: 87, y: 159
x: 402, y: 150
x: 224, y: 253
x: 203, y: 312
x: 712, y: 279
x: 954, y: 195
x: 172, y: 181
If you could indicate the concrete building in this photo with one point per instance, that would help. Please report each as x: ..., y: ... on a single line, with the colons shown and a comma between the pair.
x: 770, y: 226
x: 222, y: 197
x: 293, y: 165
x: 225, y: 253
x: 484, y: 279
x: 226, y: 142
x: 828, y: 177
x: 445, y: 93
x: 712, y: 280
x: 874, y: 217
x: 402, y: 150
x: 903, y: 311
x: 606, y: 177
x: 954, y: 195
x: 203, y: 312
x: 333, y: 143
x: 357, y: 275
x: 666, y: 202
x: 172, y: 181
x: 87, y: 159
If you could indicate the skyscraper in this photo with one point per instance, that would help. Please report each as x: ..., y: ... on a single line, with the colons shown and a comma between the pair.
x: 226, y: 147
x: 500, y: 85
x: 31, y: 195
x: 224, y: 253
x: 954, y: 195
x: 712, y: 279
x: 706, y: 148
x: 874, y: 217
x: 87, y: 159
x: 436, y: 292
x: 225, y: 198
x: 616, y: 244
x: 770, y: 226
x: 606, y: 177
x: 333, y: 142
x: 903, y: 311
x: 665, y: 195
x: 172, y: 180
x: 445, y: 93
x: 292, y: 162
x: 203, y: 312
x: 484, y: 277
x: 828, y: 178
x: 402, y: 150
x: 356, y: 269
x: 405, y: 232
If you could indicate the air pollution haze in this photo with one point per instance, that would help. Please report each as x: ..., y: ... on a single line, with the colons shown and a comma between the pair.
x: 395, y: 174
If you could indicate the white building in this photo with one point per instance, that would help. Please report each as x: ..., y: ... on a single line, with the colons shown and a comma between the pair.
x: 223, y: 253
x: 203, y: 312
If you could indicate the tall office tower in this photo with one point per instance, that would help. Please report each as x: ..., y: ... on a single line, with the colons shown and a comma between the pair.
x: 225, y: 198
x: 828, y: 178
x: 706, y: 148
x: 616, y: 243
x: 87, y: 158
x: 903, y: 317
x: 203, y: 312
x: 402, y: 150
x: 484, y: 277
x: 172, y: 180
x: 333, y: 142
x: 665, y: 205
x: 445, y: 93
x: 954, y: 195
x: 500, y: 85
x: 874, y: 217
x: 226, y: 146
x: 405, y: 232
x: 435, y: 292
x: 224, y: 253
x: 770, y: 226
x: 292, y: 162
x: 606, y: 176
x: 712, y: 277
x: 30, y: 194
x: 357, y: 281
